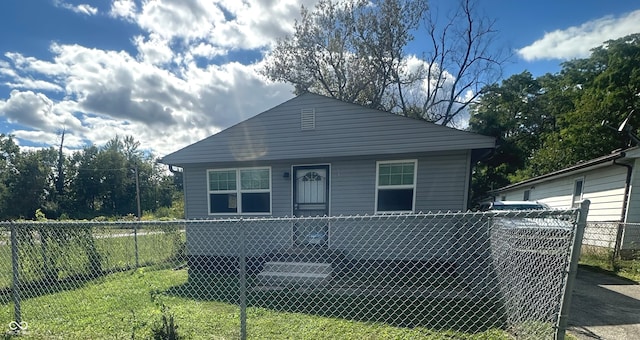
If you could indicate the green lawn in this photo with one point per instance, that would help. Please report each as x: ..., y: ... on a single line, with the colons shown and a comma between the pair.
x: 129, y: 304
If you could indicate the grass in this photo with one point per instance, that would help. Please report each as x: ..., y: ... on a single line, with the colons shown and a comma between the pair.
x: 603, y: 259
x: 111, y: 250
x: 130, y: 305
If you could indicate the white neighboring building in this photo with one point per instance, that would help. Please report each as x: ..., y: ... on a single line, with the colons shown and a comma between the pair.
x: 611, y: 183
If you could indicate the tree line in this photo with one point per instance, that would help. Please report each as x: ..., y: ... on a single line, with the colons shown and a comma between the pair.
x: 95, y: 181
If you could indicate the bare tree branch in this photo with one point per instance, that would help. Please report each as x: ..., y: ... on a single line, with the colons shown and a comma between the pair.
x: 355, y: 51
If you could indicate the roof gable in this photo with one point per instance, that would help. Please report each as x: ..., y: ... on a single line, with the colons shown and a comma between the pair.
x: 338, y: 129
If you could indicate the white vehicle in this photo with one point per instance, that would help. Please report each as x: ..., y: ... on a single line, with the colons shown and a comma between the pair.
x: 513, y: 205
x: 527, y: 217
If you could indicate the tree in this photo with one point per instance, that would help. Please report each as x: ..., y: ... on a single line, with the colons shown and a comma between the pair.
x: 30, y: 187
x: 604, y: 89
x: 84, y: 183
x: 351, y: 50
x: 103, y: 180
x: 95, y: 181
x: 354, y: 51
x: 512, y: 112
x: 9, y: 151
x: 461, y: 62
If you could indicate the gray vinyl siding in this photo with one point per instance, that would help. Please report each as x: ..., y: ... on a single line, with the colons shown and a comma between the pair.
x: 360, y: 239
x: 441, y: 184
x: 387, y: 239
x: 341, y: 130
x: 223, y: 237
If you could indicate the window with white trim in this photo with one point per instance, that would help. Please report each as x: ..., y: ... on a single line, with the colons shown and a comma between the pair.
x: 395, y: 186
x: 239, y: 191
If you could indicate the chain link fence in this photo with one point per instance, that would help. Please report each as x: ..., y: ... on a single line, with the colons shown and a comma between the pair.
x: 455, y: 275
x: 612, y: 245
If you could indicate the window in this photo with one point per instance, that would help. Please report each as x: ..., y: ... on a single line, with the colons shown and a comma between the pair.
x: 238, y: 191
x: 577, y: 192
x: 396, y: 186
x: 525, y: 196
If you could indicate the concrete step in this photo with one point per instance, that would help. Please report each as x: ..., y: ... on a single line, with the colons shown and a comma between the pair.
x: 286, y: 273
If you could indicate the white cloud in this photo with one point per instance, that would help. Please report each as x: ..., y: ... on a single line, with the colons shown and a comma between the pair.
x: 33, y: 84
x: 227, y: 24
x: 179, y: 18
x: 39, y: 137
x: 577, y: 41
x: 29, y: 108
x: 208, y: 51
x: 80, y: 9
x: 258, y: 23
x: 125, y: 9
x: 153, y: 49
x: 109, y: 93
x: 36, y: 111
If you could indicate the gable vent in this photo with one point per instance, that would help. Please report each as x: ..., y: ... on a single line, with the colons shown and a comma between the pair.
x: 308, y: 119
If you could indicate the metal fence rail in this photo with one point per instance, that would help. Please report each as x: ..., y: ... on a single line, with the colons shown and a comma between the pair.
x: 464, y: 273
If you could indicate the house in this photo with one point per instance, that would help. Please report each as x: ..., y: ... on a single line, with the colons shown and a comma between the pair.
x: 610, y: 182
x: 314, y: 155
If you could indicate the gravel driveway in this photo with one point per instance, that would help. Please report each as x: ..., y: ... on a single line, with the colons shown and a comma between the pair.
x: 604, y: 307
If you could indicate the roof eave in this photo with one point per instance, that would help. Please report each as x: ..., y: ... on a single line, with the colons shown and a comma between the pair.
x: 597, y: 162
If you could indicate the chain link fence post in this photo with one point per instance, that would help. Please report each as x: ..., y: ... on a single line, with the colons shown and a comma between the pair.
x: 15, y: 289
x: 565, y: 303
x: 618, y: 244
x: 242, y: 272
x: 135, y: 244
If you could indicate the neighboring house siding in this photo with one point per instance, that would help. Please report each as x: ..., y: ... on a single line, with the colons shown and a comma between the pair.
x: 604, y: 187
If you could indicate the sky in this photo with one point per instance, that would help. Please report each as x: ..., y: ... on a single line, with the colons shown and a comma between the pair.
x: 172, y: 72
